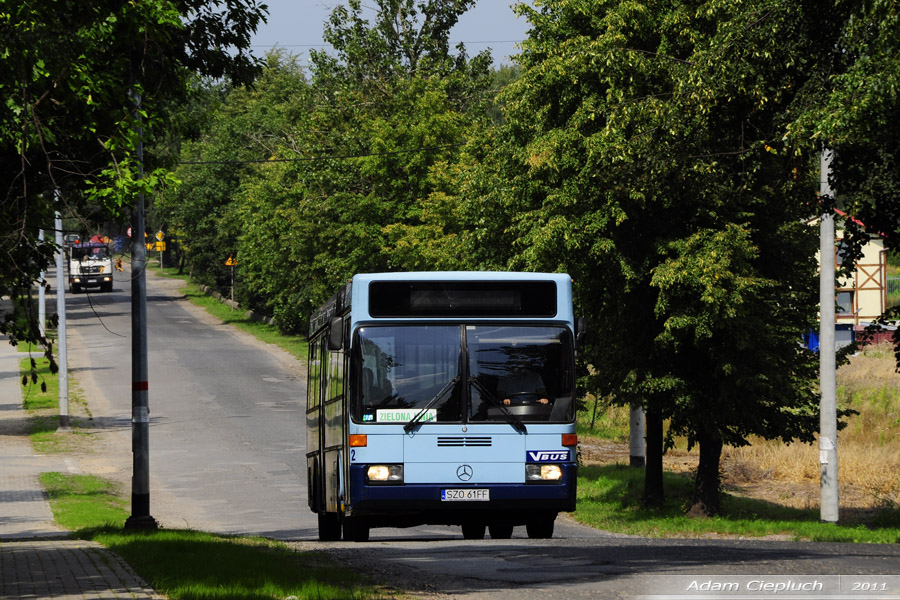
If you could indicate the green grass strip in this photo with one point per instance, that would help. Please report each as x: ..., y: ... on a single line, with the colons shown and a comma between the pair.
x: 609, y: 498
x: 42, y: 392
x: 84, y: 502
x: 188, y: 565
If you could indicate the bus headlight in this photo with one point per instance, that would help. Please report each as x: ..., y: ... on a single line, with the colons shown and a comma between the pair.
x: 543, y: 473
x: 385, y: 474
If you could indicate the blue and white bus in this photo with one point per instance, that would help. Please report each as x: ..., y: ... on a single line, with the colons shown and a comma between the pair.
x: 443, y: 398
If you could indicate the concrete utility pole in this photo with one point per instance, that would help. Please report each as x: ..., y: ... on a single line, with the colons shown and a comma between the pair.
x: 637, y: 447
x: 140, y: 411
x: 61, y: 326
x: 42, y: 296
x: 828, y: 508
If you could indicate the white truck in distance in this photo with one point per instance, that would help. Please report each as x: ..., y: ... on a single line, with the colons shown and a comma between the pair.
x: 90, y: 265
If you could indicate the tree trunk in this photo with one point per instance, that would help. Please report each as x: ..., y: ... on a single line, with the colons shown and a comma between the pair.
x: 706, y: 484
x: 653, y: 470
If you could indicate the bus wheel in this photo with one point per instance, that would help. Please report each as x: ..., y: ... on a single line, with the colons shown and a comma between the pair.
x: 329, y: 527
x: 356, y: 530
x: 473, y: 531
x: 500, y: 531
x: 540, y: 528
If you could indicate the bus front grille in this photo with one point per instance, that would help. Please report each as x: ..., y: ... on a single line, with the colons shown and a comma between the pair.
x: 462, y: 441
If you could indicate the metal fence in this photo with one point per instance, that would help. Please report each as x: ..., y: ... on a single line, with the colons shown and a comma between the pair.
x: 893, y: 286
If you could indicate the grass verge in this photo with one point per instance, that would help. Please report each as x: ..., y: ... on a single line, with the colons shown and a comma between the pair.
x: 294, y: 344
x: 40, y: 398
x: 609, y: 497
x: 43, y: 390
x: 187, y: 565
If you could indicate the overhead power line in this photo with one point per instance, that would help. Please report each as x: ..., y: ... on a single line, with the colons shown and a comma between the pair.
x: 323, y: 45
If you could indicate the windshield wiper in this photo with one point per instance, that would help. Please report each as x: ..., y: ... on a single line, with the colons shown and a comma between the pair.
x: 415, y: 420
x: 512, y: 419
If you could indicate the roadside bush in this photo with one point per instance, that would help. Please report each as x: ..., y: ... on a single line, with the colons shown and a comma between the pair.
x: 288, y: 317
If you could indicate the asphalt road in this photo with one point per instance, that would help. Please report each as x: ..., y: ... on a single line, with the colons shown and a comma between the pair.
x: 227, y: 444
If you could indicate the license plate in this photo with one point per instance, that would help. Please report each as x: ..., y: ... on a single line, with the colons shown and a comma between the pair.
x: 479, y: 494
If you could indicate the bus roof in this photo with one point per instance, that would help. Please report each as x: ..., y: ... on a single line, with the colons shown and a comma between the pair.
x: 356, y: 293
x: 460, y: 276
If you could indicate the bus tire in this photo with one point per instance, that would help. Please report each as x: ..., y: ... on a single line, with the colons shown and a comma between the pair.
x: 473, y: 531
x: 540, y: 528
x: 356, y: 530
x: 329, y: 527
x: 500, y: 531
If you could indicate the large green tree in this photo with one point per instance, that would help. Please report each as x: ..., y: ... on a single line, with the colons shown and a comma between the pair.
x: 244, y: 126
x: 354, y: 155
x: 642, y: 153
x: 71, y: 75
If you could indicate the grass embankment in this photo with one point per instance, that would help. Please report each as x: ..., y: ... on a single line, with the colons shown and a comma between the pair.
x: 771, y: 488
x: 41, y: 399
x: 192, y: 564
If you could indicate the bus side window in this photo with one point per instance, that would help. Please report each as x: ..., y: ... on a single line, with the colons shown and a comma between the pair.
x: 315, y: 375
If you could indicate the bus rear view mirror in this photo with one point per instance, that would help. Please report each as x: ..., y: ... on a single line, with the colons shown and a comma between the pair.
x: 336, y: 334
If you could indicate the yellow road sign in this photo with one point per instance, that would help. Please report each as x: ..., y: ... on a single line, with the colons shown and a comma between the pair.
x: 160, y: 246
x: 231, y: 261
x: 160, y: 236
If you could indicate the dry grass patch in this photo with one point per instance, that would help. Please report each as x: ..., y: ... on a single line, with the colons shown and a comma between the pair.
x: 868, y: 448
x: 788, y: 474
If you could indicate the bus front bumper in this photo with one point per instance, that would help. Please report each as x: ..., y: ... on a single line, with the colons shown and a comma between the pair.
x: 424, y: 503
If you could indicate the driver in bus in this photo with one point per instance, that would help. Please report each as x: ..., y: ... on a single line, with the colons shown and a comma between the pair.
x: 522, y: 381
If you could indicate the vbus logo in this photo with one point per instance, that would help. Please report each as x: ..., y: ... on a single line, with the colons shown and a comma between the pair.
x: 540, y: 456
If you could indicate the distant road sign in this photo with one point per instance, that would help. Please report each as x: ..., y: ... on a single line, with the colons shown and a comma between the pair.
x: 160, y: 246
x: 231, y: 261
x: 160, y: 236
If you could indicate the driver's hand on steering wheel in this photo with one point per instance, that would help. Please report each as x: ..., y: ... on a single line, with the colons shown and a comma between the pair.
x: 507, y: 401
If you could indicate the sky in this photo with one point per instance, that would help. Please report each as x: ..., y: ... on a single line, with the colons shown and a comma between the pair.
x: 297, y: 25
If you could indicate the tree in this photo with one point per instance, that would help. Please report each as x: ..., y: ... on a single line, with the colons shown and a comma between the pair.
x: 355, y: 158
x: 70, y: 75
x: 855, y: 110
x: 641, y: 152
x: 246, y: 125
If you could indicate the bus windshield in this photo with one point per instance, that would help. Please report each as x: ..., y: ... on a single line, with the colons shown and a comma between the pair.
x: 472, y: 373
x: 526, y: 369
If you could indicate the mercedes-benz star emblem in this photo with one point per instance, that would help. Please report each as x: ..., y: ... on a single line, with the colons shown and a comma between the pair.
x: 464, y: 472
